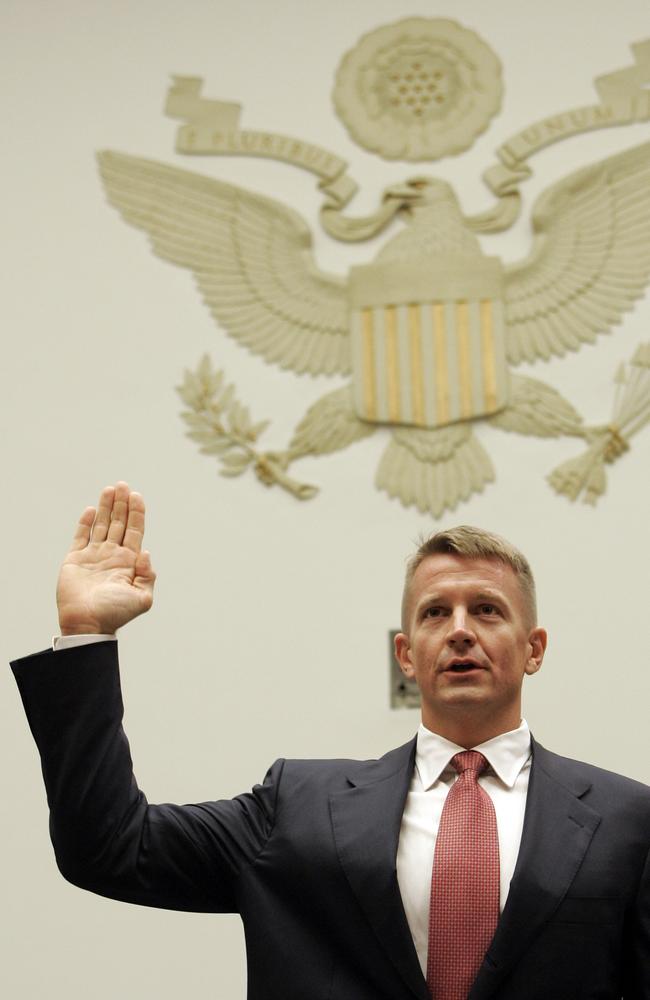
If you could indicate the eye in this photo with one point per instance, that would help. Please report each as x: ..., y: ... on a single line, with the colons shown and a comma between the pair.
x: 488, y: 609
x: 434, y: 612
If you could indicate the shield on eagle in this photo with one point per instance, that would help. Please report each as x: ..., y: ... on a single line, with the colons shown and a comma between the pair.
x: 427, y: 340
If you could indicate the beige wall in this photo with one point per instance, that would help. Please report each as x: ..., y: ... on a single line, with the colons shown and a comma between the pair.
x: 268, y: 636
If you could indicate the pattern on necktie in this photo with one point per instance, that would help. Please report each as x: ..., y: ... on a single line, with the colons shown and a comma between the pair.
x: 464, y: 884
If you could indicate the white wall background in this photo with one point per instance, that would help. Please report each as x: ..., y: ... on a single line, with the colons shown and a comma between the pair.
x: 268, y: 636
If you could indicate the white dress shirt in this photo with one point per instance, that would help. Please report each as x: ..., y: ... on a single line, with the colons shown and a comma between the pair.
x: 67, y: 641
x: 505, y: 781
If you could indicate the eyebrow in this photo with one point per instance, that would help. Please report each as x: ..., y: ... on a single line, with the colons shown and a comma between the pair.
x: 491, y: 596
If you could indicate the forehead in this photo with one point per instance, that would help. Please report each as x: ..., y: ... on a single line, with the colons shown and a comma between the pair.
x: 448, y: 575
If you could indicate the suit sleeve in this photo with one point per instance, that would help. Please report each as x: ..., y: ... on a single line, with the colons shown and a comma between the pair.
x: 107, y: 838
x: 637, y: 957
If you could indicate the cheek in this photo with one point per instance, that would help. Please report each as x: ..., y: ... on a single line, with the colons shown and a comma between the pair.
x: 425, y: 653
x: 513, y: 663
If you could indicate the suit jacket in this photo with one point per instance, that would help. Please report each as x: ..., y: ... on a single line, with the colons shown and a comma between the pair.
x: 308, y: 858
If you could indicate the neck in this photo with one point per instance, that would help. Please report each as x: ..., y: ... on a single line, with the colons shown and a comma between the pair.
x: 469, y: 732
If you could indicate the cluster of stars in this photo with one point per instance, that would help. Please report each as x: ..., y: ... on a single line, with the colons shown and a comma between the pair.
x: 417, y: 88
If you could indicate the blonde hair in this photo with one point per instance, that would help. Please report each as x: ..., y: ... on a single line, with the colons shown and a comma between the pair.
x: 472, y: 543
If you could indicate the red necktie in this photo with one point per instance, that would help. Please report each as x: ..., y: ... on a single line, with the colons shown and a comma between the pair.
x: 465, y: 883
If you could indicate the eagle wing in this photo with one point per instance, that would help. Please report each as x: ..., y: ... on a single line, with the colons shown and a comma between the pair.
x: 251, y: 257
x: 590, y: 258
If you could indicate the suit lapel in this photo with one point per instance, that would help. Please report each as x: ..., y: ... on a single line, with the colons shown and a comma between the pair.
x: 366, y: 822
x: 558, y: 828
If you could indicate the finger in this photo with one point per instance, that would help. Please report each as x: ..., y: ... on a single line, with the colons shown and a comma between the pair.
x: 103, y: 516
x: 119, y: 513
x: 135, y: 523
x: 81, y: 536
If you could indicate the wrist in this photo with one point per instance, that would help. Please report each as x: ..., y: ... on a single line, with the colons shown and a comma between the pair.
x: 77, y: 618
x: 77, y: 621
x: 82, y: 630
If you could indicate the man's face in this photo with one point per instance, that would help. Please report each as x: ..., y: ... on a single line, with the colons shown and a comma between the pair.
x: 469, y: 641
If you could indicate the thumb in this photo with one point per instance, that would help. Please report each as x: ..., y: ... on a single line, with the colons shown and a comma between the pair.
x: 144, y: 576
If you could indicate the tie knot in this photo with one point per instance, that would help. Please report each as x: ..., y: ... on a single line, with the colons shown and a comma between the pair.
x: 469, y: 760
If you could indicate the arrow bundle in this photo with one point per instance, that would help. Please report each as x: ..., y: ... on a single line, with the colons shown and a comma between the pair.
x: 586, y: 474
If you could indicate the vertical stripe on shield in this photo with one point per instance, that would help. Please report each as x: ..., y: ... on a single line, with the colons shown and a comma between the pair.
x: 488, y: 356
x: 415, y: 358
x: 368, y: 364
x: 464, y: 359
x: 392, y: 364
x: 440, y: 370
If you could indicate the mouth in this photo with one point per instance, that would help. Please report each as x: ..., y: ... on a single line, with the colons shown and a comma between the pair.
x: 463, y: 667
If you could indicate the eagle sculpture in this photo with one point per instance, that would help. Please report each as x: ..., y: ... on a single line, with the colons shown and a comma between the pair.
x: 431, y: 329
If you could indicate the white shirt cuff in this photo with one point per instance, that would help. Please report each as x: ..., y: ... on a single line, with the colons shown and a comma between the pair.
x: 67, y: 641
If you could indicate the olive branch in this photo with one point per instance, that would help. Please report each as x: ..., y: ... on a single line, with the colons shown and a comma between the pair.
x: 222, y: 427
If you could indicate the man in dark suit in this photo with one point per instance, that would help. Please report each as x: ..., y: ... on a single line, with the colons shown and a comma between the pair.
x: 471, y: 862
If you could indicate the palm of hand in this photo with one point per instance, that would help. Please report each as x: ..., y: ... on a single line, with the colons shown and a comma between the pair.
x: 105, y: 579
x: 97, y: 588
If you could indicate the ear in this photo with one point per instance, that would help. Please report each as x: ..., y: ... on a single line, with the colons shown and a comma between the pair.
x: 537, y: 641
x: 403, y: 655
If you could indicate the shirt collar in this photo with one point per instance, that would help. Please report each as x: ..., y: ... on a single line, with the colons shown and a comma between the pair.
x: 506, y: 754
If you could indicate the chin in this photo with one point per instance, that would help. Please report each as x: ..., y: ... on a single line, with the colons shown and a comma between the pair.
x: 469, y: 695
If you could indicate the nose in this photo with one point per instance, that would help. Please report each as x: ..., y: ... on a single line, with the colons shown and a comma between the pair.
x: 461, y: 634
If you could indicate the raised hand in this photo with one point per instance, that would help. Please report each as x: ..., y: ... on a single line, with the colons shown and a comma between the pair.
x: 106, y: 580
